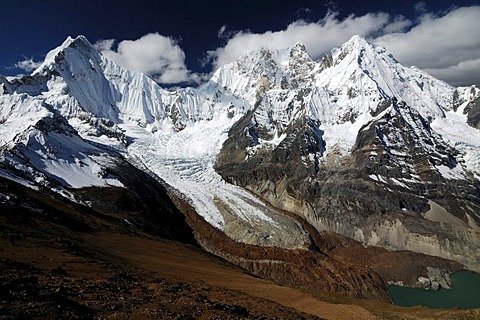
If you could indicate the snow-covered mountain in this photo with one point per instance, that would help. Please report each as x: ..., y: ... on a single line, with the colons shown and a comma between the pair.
x: 355, y: 143
x: 367, y: 148
x: 112, y: 114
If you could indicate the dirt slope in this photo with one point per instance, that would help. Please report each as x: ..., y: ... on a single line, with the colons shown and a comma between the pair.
x: 64, y: 260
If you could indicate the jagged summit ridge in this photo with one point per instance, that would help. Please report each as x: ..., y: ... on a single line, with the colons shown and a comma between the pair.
x: 354, y: 82
x: 358, y: 70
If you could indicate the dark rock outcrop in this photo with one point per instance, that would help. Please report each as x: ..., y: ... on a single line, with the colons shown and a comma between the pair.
x: 473, y: 113
x: 378, y: 194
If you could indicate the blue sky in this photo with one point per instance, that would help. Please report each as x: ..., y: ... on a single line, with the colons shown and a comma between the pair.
x: 182, y: 42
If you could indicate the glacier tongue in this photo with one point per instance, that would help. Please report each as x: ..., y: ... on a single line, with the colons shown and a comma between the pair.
x: 185, y: 161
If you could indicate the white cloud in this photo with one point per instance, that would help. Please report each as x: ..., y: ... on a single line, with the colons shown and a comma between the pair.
x: 27, y: 64
x: 398, y: 24
x: 319, y: 37
x: 442, y: 44
x: 104, y: 45
x: 420, y: 7
x: 155, y: 55
x: 446, y: 45
x: 462, y: 74
x: 221, y: 31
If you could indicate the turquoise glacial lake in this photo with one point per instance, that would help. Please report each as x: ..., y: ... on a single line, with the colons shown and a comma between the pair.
x: 465, y: 294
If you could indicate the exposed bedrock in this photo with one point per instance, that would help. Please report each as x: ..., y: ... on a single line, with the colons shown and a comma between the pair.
x: 389, y: 191
x: 397, y: 230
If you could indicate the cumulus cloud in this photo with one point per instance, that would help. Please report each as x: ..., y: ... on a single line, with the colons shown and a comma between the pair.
x: 156, y: 55
x: 397, y: 24
x: 27, y: 64
x: 447, y: 45
x: 104, y: 45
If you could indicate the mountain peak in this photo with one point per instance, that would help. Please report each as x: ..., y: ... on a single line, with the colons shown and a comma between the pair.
x: 80, y: 39
x: 353, y: 51
x: 357, y: 43
x: 299, y: 46
x: 299, y: 50
x: 357, y: 39
x: 356, y: 51
x: 80, y: 43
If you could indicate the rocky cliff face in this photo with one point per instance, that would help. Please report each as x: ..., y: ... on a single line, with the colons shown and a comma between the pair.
x: 361, y: 149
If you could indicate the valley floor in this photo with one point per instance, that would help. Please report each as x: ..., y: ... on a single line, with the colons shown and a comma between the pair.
x: 64, y: 260
x: 117, y: 275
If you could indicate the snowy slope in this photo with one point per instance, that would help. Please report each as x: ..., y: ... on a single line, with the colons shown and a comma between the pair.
x: 464, y: 138
x: 105, y: 90
x: 358, y: 83
x: 66, y: 160
x: 49, y: 150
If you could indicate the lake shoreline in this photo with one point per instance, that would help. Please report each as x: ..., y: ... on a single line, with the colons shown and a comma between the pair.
x: 464, y: 293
